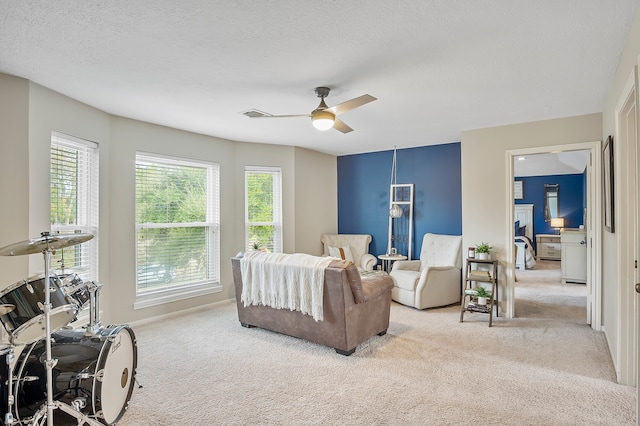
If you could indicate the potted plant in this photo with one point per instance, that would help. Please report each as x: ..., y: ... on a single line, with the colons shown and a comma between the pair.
x: 255, y: 245
x: 483, y: 295
x: 483, y: 251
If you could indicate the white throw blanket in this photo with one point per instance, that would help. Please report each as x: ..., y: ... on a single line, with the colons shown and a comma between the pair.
x: 279, y: 280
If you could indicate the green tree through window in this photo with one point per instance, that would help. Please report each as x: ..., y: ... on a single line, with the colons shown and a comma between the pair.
x: 175, y: 224
x: 263, y: 209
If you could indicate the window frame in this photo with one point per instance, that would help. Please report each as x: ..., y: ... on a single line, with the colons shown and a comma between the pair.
x: 157, y: 296
x: 276, y: 172
x: 87, y: 203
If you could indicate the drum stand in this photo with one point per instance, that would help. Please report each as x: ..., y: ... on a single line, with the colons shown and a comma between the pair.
x: 50, y: 363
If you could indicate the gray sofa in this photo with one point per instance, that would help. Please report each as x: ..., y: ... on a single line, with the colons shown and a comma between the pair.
x: 355, y: 308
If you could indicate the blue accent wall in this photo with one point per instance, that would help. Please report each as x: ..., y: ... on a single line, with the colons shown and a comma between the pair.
x: 572, y: 200
x: 363, y: 192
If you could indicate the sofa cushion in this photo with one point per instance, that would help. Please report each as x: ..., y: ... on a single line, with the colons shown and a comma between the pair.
x: 343, y: 253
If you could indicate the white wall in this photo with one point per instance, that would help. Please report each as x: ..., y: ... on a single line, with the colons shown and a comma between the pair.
x: 28, y: 115
x: 484, y: 174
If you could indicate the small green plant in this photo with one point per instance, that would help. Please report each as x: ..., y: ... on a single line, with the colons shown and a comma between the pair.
x: 482, y: 292
x: 483, y: 248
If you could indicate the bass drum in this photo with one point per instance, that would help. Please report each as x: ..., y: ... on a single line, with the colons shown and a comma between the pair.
x: 96, y: 373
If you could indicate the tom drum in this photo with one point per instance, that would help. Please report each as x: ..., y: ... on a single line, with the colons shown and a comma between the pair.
x: 26, y: 323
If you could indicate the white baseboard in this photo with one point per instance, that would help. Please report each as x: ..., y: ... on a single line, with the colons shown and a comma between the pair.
x: 179, y: 313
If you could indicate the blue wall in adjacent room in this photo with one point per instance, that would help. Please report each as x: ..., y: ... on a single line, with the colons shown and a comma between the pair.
x: 363, y: 192
x: 572, y: 201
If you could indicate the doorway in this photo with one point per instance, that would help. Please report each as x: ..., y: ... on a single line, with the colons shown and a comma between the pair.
x: 592, y: 217
x: 550, y: 235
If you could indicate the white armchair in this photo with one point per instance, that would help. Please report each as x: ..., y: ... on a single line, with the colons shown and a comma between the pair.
x: 356, y: 244
x: 435, y: 279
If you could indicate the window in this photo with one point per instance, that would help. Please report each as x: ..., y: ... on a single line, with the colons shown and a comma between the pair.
x: 74, y: 202
x: 263, y: 209
x: 177, y: 223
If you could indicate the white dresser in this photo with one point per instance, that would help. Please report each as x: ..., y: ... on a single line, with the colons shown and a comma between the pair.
x: 574, y: 255
x: 548, y: 246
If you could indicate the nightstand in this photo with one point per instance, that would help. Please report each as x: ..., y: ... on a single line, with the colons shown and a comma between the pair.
x: 548, y: 246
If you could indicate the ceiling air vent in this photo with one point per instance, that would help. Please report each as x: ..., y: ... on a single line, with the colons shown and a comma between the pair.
x: 254, y: 113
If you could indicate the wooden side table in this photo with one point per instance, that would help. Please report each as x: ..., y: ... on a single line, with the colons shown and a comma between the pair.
x: 389, y: 259
x: 470, y: 296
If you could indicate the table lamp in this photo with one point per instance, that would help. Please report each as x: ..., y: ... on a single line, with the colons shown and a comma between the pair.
x: 558, y: 223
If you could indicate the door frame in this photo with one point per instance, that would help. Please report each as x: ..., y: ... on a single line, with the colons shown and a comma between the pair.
x: 593, y: 225
x: 626, y: 150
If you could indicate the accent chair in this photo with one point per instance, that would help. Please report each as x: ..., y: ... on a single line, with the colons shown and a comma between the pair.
x: 434, y: 280
x: 354, y: 247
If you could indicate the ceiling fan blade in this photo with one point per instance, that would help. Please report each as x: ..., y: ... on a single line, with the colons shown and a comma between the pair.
x: 339, y: 125
x: 351, y: 104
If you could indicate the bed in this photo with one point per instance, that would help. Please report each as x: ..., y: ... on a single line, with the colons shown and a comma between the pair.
x: 523, y: 236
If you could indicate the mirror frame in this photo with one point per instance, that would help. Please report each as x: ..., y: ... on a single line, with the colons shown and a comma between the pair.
x: 551, y: 188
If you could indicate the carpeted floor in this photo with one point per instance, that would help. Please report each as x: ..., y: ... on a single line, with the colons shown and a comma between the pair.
x: 546, y: 367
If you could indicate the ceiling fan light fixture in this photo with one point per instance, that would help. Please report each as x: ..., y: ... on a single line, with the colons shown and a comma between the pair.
x: 323, y: 120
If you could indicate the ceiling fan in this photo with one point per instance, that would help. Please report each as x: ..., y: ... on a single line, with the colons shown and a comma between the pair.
x: 323, y: 117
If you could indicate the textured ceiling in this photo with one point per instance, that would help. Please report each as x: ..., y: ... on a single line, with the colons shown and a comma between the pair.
x: 437, y: 67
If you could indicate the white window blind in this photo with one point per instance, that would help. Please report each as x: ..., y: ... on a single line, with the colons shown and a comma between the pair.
x: 263, y: 208
x: 74, y: 202
x: 177, y: 222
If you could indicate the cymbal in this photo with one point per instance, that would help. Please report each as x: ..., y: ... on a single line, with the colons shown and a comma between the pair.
x: 6, y: 308
x: 44, y: 243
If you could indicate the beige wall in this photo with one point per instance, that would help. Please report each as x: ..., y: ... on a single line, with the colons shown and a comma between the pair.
x: 251, y: 154
x: 316, y: 177
x: 610, y: 276
x: 14, y: 174
x: 49, y: 111
x: 484, y: 173
x: 28, y: 115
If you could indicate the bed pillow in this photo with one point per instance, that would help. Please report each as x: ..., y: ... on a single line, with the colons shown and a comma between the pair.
x: 516, y: 227
x: 343, y: 253
x: 521, y: 231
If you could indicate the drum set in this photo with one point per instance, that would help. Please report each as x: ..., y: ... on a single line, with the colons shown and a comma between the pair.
x: 83, y: 375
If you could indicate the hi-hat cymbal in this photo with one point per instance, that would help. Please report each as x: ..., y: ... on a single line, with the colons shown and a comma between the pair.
x: 6, y: 308
x: 44, y: 243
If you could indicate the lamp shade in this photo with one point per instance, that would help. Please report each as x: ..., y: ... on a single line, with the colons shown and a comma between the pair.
x: 323, y: 120
x: 557, y: 222
x: 395, y: 211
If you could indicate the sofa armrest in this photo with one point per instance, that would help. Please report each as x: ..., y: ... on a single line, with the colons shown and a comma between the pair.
x: 376, y: 285
x: 406, y: 265
x: 437, y: 273
x: 368, y: 261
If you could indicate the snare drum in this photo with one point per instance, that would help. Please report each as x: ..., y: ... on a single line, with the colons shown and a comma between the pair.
x: 26, y: 323
x: 97, y: 372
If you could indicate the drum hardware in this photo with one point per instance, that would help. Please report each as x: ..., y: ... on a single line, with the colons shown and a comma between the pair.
x: 10, y: 358
x: 94, y: 308
x: 79, y: 403
x: 46, y: 244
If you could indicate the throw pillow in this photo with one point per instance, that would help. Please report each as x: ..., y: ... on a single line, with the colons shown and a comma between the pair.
x: 343, y: 253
